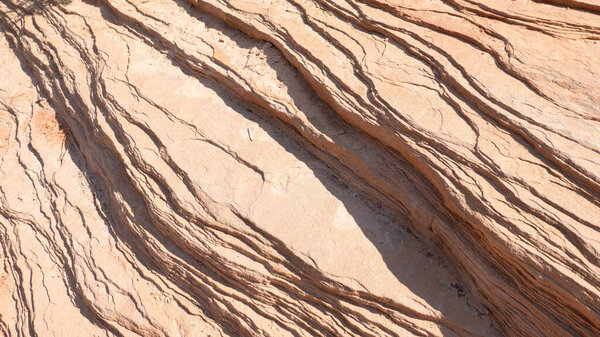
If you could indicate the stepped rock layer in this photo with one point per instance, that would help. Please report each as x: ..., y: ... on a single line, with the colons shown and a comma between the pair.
x: 300, y: 168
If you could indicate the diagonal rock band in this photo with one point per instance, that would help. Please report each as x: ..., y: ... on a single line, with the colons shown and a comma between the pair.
x: 299, y: 168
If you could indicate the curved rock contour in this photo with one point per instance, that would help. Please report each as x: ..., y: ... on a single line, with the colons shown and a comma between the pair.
x: 300, y: 168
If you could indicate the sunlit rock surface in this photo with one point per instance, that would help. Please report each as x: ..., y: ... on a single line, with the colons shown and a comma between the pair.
x: 300, y: 168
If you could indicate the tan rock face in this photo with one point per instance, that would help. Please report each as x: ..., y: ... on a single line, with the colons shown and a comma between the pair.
x: 300, y: 168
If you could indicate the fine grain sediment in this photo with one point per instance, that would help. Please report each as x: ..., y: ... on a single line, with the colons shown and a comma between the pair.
x: 301, y: 168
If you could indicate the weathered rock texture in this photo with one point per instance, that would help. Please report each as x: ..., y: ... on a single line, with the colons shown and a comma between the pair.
x: 300, y: 167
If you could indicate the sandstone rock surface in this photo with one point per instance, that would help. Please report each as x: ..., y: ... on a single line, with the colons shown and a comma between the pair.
x: 300, y: 168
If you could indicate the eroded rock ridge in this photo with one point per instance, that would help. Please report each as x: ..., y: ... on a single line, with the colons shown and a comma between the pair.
x: 300, y: 168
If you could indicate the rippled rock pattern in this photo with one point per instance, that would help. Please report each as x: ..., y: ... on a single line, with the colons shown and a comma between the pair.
x: 300, y: 168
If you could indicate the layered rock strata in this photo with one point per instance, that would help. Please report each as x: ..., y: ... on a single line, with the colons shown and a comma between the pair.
x: 302, y: 168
